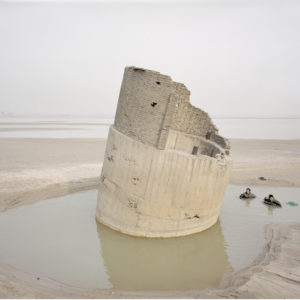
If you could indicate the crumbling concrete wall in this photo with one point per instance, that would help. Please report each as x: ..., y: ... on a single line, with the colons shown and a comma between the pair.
x: 143, y: 106
x: 166, y: 168
x: 151, y: 103
x: 190, y: 119
x: 192, y: 144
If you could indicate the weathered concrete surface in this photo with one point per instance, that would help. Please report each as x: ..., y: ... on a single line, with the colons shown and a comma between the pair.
x: 149, y: 192
x: 166, y: 168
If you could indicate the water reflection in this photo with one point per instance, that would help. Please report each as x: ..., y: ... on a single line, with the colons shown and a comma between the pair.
x: 198, y: 260
x: 247, y: 202
x: 270, y: 210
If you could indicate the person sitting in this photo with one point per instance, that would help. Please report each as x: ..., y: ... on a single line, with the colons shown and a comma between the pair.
x: 247, y: 194
x: 271, y: 201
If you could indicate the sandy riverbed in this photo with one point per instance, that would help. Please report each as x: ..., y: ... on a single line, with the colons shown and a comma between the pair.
x: 36, y: 169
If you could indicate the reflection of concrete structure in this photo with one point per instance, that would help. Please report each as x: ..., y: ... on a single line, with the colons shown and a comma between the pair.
x: 166, y: 168
x: 195, y: 261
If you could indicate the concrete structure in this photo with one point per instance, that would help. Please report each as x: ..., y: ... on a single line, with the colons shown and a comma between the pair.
x: 166, y: 168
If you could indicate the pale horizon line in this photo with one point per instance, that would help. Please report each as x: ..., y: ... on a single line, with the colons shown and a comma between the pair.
x: 144, y: 1
x: 108, y: 115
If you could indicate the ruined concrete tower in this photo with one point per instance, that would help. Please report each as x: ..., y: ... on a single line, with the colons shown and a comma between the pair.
x: 166, y: 168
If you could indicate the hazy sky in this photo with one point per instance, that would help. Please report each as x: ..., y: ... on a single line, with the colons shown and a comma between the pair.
x: 238, y: 57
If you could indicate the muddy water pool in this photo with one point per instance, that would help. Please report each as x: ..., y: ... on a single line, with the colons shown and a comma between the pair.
x: 60, y: 239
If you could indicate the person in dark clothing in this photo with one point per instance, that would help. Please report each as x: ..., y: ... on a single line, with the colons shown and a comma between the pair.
x: 272, y: 201
x: 247, y: 194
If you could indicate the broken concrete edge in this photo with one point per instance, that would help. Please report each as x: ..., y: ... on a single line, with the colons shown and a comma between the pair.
x: 173, y: 110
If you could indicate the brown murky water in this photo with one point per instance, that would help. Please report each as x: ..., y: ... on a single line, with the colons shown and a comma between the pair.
x: 59, y: 238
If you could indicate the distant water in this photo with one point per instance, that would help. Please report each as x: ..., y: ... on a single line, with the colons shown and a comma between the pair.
x: 92, y: 127
x: 54, y: 127
x: 260, y: 128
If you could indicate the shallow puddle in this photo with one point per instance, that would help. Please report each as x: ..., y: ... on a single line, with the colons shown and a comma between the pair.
x: 59, y: 238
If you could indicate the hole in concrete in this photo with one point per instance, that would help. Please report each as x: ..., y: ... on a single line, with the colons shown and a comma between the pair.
x: 195, y: 150
x: 208, y: 135
x: 132, y: 203
x: 139, y: 69
x: 110, y: 158
x: 135, y: 180
x: 153, y: 104
x: 157, y: 82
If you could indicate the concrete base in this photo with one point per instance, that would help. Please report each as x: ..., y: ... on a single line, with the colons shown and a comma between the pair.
x: 149, y: 192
